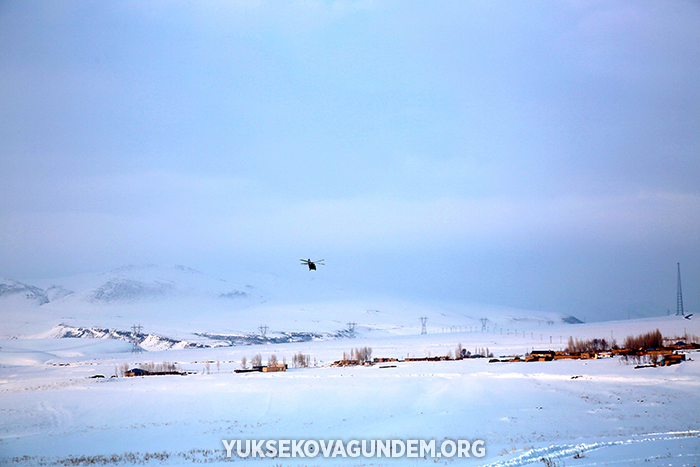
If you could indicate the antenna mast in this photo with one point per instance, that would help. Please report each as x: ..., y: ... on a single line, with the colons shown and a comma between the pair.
x: 679, y: 299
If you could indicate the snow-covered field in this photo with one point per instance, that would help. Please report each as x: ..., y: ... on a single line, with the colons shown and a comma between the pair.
x: 566, y: 412
x: 569, y: 412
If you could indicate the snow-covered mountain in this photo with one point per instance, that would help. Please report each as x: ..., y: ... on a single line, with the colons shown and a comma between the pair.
x: 13, y: 290
x: 56, y: 291
x: 182, y: 305
x: 162, y: 297
x: 139, y: 283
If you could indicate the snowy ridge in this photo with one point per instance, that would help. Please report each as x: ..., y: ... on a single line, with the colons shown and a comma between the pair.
x: 153, y: 342
x: 145, y: 341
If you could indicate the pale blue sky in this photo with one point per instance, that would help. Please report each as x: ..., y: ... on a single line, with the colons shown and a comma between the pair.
x: 539, y: 154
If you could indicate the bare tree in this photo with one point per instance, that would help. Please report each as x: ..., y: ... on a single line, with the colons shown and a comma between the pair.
x: 244, y: 363
x: 575, y: 346
x: 363, y: 354
x: 300, y: 360
x: 650, y: 340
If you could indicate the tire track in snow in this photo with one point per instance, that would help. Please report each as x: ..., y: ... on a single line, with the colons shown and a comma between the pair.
x: 59, y: 417
x: 569, y: 450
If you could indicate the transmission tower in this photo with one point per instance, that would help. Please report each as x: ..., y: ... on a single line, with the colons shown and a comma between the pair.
x: 135, y: 331
x: 423, y: 329
x: 679, y: 297
x: 263, y: 330
x: 483, y: 323
x: 351, y: 328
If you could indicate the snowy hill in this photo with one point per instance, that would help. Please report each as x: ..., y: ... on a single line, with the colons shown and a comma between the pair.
x: 21, y: 309
x: 182, y: 306
x: 137, y: 283
x: 56, y: 291
x: 14, y: 289
x: 162, y: 298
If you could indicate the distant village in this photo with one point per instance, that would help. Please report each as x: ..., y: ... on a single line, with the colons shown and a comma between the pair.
x: 647, y: 350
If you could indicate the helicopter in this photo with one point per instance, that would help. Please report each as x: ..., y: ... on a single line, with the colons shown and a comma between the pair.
x: 312, y: 264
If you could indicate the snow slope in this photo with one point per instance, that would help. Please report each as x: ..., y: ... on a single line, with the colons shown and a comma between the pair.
x: 577, y: 413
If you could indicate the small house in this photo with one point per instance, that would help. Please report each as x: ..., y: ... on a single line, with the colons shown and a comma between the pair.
x: 542, y: 355
x: 273, y: 368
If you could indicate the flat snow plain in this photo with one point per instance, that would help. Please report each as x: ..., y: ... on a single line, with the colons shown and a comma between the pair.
x: 567, y: 412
